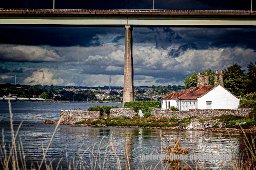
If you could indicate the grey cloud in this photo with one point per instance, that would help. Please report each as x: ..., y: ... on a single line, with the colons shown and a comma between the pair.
x: 27, y: 53
x: 4, y: 70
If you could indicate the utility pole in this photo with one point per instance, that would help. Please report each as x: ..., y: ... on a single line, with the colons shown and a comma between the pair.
x: 15, y: 80
x: 153, y: 4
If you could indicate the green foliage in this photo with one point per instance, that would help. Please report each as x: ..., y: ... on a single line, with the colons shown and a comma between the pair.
x: 235, y: 80
x: 173, y: 108
x: 146, y: 115
x: 135, y: 121
x: 44, y: 95
x: 252, y: 77
x: 252, y: 114
x: 103, y: 109
x: 232, y: 121
x: 248, y: 101
x: 145, y: 106
x: 191, y: 80
x: 226, y: 118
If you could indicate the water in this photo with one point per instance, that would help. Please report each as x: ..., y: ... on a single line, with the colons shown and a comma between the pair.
x: 87, y: 144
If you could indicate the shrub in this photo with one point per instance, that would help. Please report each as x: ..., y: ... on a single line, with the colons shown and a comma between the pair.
x: 252, y: 114
x: 248, y: 101
x: 103, y: 109
x: 173, y: 108
x: 146, y: 115
x: 227, y: 118
x: 145, y: 106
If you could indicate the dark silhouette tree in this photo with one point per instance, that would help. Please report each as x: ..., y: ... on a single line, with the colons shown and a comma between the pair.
x: 251, y: 88
x: 235, y: 80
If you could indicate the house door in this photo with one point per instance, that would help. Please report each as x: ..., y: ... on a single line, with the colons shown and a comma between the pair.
x: 208, y: 104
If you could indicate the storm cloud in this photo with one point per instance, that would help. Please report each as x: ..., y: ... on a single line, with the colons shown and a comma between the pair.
x: 162, y: 55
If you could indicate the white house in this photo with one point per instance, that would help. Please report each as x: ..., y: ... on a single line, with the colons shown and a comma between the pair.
x: 203, y: 96
x: 171, y: 100
x: 218, y: 98
x: 207, y: 97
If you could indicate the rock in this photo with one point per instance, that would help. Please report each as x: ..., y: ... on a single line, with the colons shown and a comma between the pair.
x: 48, y: 121
x: 122, y: 112
x: 75, y: 116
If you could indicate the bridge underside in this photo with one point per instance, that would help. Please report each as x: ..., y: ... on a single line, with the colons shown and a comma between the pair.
x: 122, y: 18
x: 133, y: 21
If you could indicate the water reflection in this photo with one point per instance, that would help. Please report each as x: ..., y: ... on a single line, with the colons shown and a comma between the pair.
x: 106, y: 147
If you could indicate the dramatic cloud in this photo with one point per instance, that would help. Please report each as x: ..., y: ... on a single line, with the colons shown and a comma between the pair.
x: 43, y: 76
x: 5, y: 77
x: 161, y: 56
x: 27, y: 53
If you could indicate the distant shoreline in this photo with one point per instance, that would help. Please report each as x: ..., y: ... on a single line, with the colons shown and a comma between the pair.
x: 60, y: 101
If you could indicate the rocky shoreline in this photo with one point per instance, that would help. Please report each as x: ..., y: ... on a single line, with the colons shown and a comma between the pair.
x: 205, y: 120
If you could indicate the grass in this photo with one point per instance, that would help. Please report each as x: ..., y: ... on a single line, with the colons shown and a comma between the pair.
x: 150, y: 121
x: 232, y: 121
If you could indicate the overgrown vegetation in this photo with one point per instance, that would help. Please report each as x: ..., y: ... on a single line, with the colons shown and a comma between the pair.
x: 236, y: 80
x: 248, y: 101
x: 150, y: 121
x: 146, y: 106
x: 173, y: 108
x: 104, y: 110
x: 232, y: 121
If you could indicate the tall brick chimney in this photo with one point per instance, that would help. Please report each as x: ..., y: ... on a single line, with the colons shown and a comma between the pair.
x: 206, y: 79
x: 221, y: 82
x: 200, y: 80
x: 216, y: 78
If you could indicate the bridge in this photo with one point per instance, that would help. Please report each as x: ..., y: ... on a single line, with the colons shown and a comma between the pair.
x: 128, y: 19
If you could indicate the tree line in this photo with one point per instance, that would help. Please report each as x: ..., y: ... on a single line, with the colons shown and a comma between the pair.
x: 46, y: 92
x: 237, y: 80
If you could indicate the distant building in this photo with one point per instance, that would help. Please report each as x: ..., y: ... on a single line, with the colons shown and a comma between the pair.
x: 204, y: 96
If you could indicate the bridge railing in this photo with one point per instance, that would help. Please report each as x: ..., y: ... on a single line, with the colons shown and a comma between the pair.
x: 125, y: 12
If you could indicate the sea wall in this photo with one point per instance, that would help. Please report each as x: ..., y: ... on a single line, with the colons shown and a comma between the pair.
x: 126, y: 112
x: 74, y: 116
x: 199, y: 113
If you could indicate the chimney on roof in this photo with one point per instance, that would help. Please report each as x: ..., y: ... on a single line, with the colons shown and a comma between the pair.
x: 206, y: 79
x: 221, y: 82
x: 216, y: 78
x: 200, y: 80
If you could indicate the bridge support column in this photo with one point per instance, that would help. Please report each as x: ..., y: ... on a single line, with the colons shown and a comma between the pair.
x: 128, y: 95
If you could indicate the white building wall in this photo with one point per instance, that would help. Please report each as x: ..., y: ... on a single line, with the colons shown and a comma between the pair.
x: 166, y: 104
x: 185, y: 105
x: 218, y: 98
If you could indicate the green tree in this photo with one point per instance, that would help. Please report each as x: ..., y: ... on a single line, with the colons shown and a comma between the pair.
x: 190, y: 81
x: 44, y: 95
x: 235, y: 80
x: 251, y: 88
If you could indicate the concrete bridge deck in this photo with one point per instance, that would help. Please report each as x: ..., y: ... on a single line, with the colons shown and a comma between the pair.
x: 125, y: 12
x: 128, y: 17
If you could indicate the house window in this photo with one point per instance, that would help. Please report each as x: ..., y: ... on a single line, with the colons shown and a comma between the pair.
x: 208, y: 104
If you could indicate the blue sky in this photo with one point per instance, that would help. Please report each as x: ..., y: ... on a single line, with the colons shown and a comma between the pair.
x: 88, y: 56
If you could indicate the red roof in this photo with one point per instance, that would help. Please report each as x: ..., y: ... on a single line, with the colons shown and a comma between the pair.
x: 194, y: 93
x: 173, y: 96
x: 189, y: 94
